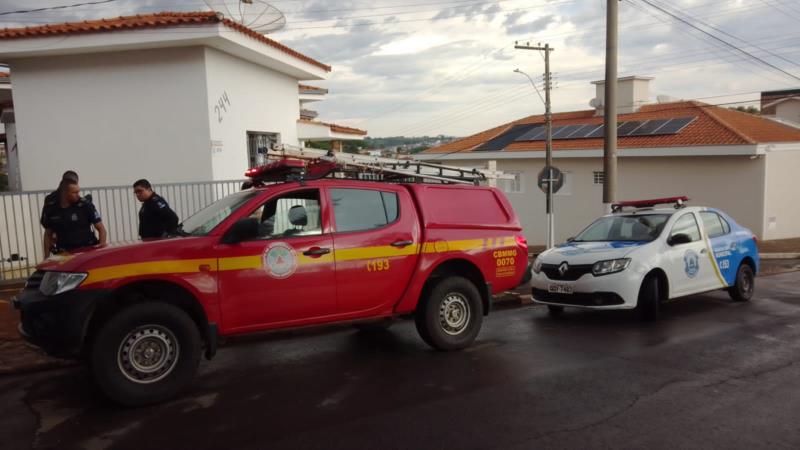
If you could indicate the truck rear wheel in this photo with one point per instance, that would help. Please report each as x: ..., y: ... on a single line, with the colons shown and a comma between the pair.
x: 450, y: 317
x: 146, y: 353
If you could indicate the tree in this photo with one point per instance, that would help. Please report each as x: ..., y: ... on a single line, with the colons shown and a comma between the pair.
x: 747, y: 109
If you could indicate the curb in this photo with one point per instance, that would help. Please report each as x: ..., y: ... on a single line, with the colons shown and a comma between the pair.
x: 779, y: 255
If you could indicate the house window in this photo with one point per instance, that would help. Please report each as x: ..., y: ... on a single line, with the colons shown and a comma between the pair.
x: 258, y: 144
x: 599, y: 177
x: 513, y: 186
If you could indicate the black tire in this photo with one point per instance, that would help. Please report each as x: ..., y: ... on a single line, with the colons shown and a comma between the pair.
x: 450, y: 316
x: 555, y: 311
x: 742, y: 290
x: 648, y: 304
x: 156, y: 330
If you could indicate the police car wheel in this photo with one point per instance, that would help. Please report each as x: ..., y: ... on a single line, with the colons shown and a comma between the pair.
x: 450, y: 317
x: 648, y: 302
x: 742, y: 290
x: 146, y: 353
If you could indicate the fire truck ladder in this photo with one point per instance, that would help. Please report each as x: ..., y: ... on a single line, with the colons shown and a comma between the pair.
x: 321, y: 163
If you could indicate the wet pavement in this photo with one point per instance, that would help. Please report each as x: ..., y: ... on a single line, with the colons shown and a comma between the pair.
x: 711, y: 374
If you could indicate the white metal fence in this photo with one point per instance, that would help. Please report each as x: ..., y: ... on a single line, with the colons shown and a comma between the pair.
x: 21, y: 235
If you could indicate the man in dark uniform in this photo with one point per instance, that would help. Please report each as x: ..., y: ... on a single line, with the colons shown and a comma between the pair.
x: 68, y: 224
x: 52, y: 199
x: 156, y: 218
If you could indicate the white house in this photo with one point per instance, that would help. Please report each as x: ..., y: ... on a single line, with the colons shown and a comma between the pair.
x: 172, y: 97
x: 782, y: 106
x: 741, y: 163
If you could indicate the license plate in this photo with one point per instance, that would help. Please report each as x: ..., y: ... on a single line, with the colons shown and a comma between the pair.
x: 559, y: 289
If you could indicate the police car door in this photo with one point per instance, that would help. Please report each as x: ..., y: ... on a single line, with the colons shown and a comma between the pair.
x: 688, y: 266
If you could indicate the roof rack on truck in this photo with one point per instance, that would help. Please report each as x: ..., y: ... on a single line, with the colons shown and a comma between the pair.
x: 294, y: 163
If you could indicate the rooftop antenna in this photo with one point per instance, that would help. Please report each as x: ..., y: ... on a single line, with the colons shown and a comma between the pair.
x: 258, y: 15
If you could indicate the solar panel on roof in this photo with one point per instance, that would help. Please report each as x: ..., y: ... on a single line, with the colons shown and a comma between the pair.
x: 585, y: 131
x: 626, y: 128
x: 565, y: 131
x: 531, y: 134
x: 579, y: 132
x: 650, y: 127
x: 500, y: 142
x: 598, y: 132
x: 675, y: 126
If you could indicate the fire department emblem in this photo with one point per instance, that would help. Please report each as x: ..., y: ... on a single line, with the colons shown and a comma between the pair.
x: 280, y: 260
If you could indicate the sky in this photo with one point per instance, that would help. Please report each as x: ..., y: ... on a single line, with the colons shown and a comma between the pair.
x: 415, y: 67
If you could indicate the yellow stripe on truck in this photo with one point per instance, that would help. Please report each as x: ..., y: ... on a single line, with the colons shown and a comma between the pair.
x: 149, y: 268
x: 256, y: 261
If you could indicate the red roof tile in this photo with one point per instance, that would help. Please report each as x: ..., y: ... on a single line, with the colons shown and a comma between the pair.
x: 307, y: 88
x: 149, y: 21
x: 336, y: 128
x: 714, y: 126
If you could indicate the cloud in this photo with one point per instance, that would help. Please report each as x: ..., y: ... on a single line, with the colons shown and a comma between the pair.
x: 469, y: 12
x: 535, y: 26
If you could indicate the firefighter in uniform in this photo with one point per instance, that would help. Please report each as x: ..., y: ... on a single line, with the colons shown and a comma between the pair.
x: 156, y: 218
x: 68, y: 224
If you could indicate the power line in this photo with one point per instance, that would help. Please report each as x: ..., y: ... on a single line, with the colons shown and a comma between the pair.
x: 478, y: 106
x: 734, y: 37
x: 734, y: 47
x: 50, y: 8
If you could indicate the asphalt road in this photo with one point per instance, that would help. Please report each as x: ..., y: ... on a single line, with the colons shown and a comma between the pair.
x: 711, y: 374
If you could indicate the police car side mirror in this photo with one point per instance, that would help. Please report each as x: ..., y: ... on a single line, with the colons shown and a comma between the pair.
x: 570, y: 239
x: 678, y: 239
x: 242, y: 230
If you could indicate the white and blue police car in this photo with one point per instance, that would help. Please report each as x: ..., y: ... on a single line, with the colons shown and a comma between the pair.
x: 642, y: 255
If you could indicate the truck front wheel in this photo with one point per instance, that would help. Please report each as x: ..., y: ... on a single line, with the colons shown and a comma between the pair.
x: 146, y: 353
x: 450, y: 317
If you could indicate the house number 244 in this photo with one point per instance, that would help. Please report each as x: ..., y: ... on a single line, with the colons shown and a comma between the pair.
x: 221, y: 108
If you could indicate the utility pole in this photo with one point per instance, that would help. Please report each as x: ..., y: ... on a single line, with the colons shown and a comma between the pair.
x: 548, y: 120
x: 610, y: 113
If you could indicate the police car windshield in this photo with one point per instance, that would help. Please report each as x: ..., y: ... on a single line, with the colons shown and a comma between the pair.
x: 638, y: 228
x: 212, y: 215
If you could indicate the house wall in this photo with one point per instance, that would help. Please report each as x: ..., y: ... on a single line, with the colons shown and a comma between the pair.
x: 113, y: 117
x: 243, y: 97
x: 782, y: 209
x: 789, y: 110
x: 733, y: 184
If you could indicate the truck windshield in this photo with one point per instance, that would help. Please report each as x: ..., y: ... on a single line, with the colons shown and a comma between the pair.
x: 639, y: 228
x: 205, y: 220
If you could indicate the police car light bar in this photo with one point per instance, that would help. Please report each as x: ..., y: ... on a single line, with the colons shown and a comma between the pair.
x: 677, y: 201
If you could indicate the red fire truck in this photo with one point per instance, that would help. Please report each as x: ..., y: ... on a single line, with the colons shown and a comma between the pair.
x: 311, y: 243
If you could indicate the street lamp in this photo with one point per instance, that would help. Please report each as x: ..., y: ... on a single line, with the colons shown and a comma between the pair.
x: 549, y: 179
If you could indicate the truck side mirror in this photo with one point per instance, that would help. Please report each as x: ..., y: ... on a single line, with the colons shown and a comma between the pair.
x: 678, y: 239
x: 242, y: 230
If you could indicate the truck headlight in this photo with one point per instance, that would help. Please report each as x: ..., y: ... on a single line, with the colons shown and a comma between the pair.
x: 537, y: 265
x: 54, y: 283
x: 610, y: 266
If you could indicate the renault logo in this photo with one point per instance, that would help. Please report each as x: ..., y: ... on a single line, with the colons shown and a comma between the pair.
x: 563, y: 268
